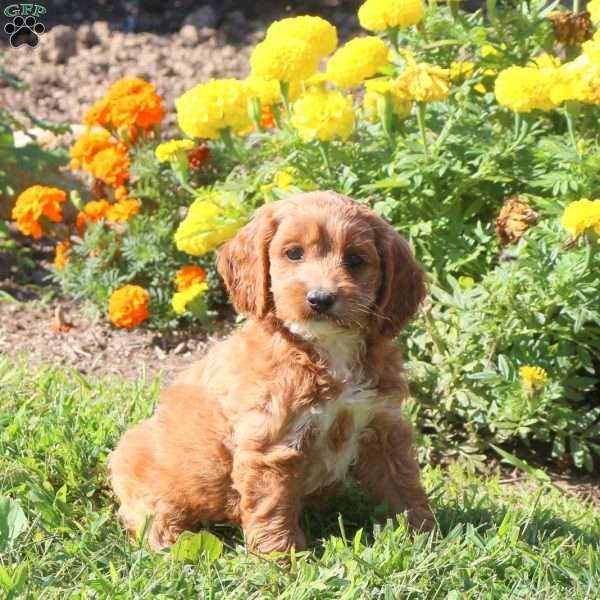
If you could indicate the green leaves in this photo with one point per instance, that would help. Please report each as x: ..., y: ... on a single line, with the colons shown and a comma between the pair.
x: 190, y: 547
x: 522, y: 465
x: 13, y: 521
x: 538, y: 309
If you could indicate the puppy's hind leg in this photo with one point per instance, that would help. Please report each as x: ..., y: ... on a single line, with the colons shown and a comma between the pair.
x: 132, y: 469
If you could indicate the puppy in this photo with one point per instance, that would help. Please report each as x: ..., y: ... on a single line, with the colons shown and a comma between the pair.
x: 304, y: 396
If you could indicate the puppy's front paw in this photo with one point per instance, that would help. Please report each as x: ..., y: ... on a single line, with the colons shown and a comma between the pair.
x: 282, y: 541
x: 421, y: 518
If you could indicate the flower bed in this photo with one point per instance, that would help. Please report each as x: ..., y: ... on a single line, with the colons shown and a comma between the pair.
x: 476, y: 137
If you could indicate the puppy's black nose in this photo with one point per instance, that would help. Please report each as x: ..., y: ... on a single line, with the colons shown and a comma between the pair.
x: 320, y: 300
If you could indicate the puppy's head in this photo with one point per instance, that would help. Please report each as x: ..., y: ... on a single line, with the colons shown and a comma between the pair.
x: 320, y: 256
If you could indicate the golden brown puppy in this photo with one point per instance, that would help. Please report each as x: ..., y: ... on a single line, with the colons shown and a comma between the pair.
x: 305, y: 395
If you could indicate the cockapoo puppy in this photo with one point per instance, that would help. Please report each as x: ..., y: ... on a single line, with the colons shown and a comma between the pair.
x: 305, y: 396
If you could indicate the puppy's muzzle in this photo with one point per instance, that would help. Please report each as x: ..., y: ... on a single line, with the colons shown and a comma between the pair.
x: 321, y: 300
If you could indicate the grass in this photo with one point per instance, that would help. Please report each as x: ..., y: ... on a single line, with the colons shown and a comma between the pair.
x: 60, y: 538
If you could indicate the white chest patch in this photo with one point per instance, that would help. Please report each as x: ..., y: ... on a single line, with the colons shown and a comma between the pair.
x: 334, y: 428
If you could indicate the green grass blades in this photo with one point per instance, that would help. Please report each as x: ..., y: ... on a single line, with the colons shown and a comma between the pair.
x: 60, y: 536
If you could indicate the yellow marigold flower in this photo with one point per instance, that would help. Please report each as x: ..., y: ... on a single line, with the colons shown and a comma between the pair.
x: 581, y: 215
x: 408, y: 56
x: 533, y: 378
x: 379, y: 15
x: 167, y: 150
x: 315, y: 82
x: 129, y: 103
x: 129, y: 306
x: 356, y: 61
x: 206, y: 226
x: 546, y: 61
x: 424, y: 83
x: 269, y: 92
x: 188, y: 276
x: 209, y: 107
x: 283, y: 179
x: 575, y: 80
x: 375, y: 90
x: 61, y: 254
x: 523, y: 89
x: 34, y: 203
x: 591, y: 49
x: 316, y: 32
x: 86, y: 147
x: 323, y: 115
x: 123, y: 210
x: 593, y: 7
x: 489, y: 50
x: 182, y: 299
x: 111, y: 165
x: 459, y: 69
x: 284, y: 59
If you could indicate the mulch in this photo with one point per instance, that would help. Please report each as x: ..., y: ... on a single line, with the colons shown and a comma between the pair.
x: 57, y: 332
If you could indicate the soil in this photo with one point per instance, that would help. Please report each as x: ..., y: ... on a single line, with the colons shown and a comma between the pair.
x: 174, y: 46
x: 57, y: 332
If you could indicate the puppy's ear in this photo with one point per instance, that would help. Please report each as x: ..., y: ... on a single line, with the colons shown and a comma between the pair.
x: 243, y: 263
x: 402, y: 286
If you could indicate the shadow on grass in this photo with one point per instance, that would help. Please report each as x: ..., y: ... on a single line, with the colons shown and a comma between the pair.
x: 353, y: 511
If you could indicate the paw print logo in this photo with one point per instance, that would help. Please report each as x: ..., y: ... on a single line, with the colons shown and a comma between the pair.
x: 24, y: 31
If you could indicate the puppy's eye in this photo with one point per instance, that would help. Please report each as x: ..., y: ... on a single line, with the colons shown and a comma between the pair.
x: 295, y: 254
x: 353, y: 260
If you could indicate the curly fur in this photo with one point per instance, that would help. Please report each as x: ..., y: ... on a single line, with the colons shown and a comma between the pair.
x: 294, y: 403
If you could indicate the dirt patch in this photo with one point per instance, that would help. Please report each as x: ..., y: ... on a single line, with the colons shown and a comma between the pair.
x: 57, y: 332
x: 84, y: 50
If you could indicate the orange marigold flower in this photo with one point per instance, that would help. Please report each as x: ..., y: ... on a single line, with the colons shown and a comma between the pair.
x: 111, y: 165
x: 35, y: 202
x: 128, y: 104
x: 122, y: 210
x: 121, y: 193
x: 96, y: 210
x: 99, y: 114
x: 84, y: 150
x: 61, y: 254
x: 93, y: 211
x: 80, y: 223
x: 188, y: 276
x: 129, y: 306
x: 267, y: 120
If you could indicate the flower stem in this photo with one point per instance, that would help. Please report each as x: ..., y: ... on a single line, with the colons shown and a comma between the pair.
x: 421, y: 112
x: 517, y: 124
x: 325, y: 156
x: 393, y: 35
x: 575, y: 6
x: 453, y: 5
x: 571, y: 129
x: 229, y: 143
x: 255, y: 112
x: 491, y: 11
x: 285, y: 89
x: 277, y: 116
x: 386, y: 116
